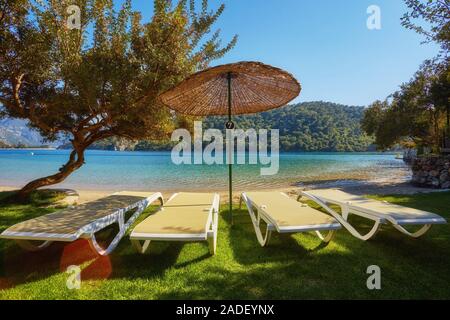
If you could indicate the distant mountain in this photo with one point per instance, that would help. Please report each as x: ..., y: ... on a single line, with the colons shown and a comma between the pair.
x: 15, y: 132
x: 308, y: 126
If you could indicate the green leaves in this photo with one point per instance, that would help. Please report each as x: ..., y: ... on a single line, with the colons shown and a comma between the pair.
x: 417, y: 112
x: 106, y: 76
x: 435, y: 14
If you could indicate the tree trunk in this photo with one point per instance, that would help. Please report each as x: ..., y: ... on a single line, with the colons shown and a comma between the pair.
x: 75, y: 161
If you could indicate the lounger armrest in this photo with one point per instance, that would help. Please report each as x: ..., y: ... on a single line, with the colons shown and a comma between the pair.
x: 154, y: 197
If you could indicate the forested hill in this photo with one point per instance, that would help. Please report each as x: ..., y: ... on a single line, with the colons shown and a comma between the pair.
x: 309, y: 126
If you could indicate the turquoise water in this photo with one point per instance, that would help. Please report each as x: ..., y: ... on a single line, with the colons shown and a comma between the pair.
x: 109, y: 170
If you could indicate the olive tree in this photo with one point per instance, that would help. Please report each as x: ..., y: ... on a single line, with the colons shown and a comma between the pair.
x: 98, y: 75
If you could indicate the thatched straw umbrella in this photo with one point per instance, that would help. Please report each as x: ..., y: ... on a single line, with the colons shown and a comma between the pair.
x: 232, y: 89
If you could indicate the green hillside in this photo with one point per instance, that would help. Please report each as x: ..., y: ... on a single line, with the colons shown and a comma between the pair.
x: 309, y: 126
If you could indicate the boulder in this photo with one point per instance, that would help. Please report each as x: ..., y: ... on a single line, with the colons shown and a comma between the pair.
x: 435, y: 183
x: 434, y: 173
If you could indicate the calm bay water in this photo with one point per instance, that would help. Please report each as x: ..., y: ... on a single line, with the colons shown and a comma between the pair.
x: 109, y: 170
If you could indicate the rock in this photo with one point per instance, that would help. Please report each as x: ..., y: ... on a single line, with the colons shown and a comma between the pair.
x: 434, y: 173
x: 435, y: 183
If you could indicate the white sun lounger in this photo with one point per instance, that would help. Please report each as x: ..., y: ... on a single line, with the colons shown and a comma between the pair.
x: 285, y: 215
x: 381, y: 212
x: 82, y: 221
x: 186, y: 217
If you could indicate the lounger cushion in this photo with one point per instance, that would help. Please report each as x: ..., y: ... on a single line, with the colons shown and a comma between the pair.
x: 186, y: 213
x: 285, y: 212
x: 68, y: 224
x: 396, y: 213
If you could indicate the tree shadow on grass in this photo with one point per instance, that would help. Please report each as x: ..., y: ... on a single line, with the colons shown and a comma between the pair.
x: 286, y: 280
x: 433, y: 248
x: 19, y: 266
x: 153, y: 264
x: 329, y: 274
x: 185, y: 264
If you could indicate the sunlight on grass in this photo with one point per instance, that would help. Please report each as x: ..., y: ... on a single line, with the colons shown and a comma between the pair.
x: 292, y: 267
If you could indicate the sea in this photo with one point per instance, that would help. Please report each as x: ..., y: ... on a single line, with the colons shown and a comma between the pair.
x: 114, y: 170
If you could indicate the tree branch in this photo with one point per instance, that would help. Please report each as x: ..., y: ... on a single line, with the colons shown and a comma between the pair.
x: 16, y: 84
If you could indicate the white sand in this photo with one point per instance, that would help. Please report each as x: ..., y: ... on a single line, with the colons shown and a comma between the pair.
x: 392, y: 185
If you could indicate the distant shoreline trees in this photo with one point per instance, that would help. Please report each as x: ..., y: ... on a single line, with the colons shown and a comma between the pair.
x: 307, y: 127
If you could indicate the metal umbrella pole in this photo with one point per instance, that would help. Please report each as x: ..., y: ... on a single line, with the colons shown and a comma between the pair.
x: 230, y: 126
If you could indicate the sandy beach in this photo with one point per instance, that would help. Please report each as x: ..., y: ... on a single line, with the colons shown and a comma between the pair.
x: 393, y: 184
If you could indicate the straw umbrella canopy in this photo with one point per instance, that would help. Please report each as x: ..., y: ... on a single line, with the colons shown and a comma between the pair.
x: 232, y: 89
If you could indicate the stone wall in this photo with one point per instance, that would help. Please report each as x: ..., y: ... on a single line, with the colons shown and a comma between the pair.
x: 432, y: 171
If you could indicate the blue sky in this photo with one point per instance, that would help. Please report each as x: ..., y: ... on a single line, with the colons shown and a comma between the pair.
x: 325, y: 44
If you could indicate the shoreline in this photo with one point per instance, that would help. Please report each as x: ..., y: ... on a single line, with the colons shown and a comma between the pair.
x: 361, y: 185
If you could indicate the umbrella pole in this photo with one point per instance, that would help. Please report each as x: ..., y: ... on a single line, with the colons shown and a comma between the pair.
x: 230, y: 153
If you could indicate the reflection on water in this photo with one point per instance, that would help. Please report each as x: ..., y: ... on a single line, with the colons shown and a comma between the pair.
x: 154, y: 170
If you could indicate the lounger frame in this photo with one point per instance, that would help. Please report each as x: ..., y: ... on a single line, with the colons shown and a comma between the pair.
x: 141, y: 241
x: 264, y: 237
x: 30, y: 240
x: 347, y: 209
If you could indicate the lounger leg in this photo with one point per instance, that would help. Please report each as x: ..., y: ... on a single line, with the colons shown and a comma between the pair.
x: 372, y: 233
x: 123, y: 227
x: 416, y: 234
x: 31, y: 246
x: 141, y: 248
x: 212, y: 234
x: 263, y: 240
x: 267, y: 237
x: 343, y: 219
x: 329, y: 236
x: 115, y: 242
x: 212, y: 243
x: 345, y: 212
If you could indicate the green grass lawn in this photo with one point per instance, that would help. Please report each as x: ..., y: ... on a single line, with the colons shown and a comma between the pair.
x: 292, y: 267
